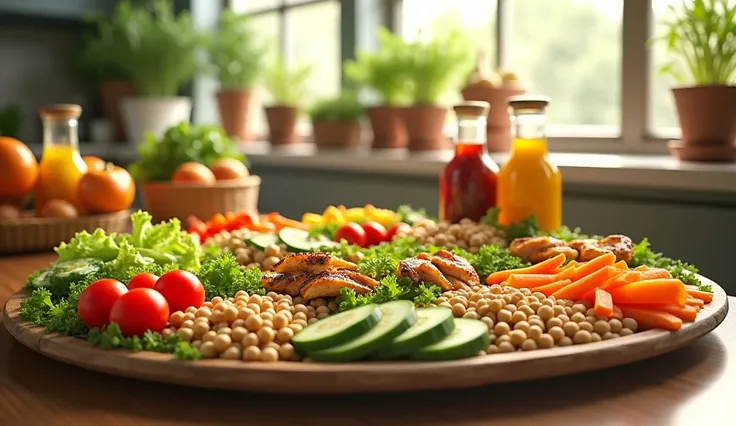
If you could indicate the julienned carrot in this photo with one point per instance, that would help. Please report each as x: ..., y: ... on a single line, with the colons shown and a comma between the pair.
x: 654, y: 273
x: 617, y: 313
x: 685, y: 313
x: 603, y: 303
x: 593, y: 265
x: 702, y: 295
x: 578, y: 288
x: 647, y: 318
x: 621, y: 264
x: 694, y: 302
x: 530, y: 280
x: 659, y: 291
x: 545, y: 267
x: 548, y: 289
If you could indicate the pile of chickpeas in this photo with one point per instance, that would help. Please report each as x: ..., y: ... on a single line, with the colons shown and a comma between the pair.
x: 247, y: 255
x: 466, y: 234
x: 521, y: 320
x: 248, y: 327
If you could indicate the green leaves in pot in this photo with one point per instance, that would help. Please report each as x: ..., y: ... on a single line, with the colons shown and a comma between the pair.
x: 345, y: 107
x: 701, y: 38
x: 97, y: 60
x: 11, y: 118
x: 286, y: 84
x: 183, y: 143
x: 236, y: 53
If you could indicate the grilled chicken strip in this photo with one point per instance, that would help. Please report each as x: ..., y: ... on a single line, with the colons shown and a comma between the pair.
x: 456, y: 267
x: 289, y: 283
x: 311, y: 262
x: 538, y: 249
x: 359, y: 278
x: 328, y: 284
x: 620, y: 245
x: 422, y: 270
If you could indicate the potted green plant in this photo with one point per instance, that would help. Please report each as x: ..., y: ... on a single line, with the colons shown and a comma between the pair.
x: 378, y: 72
x: 287, y: 86
x: 237, y: 58
x: 160, y: 54
x: 336, y: 122
x: 699, y: 37
x: 434, y: 67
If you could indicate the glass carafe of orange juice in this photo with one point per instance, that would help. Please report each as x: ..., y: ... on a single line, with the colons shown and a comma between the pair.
x: 61, y: 166
x: 528, y: 182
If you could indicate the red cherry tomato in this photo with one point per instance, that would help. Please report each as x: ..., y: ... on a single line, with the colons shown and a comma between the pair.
x: 399, y: 227
x: 181, y: 289
x: 352, y: 233
x: 375, y: 233
x: 139, y: 310
x: 144, y: 280
x: 97, y: 300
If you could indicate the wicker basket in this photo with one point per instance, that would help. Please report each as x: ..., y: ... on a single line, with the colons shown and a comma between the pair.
x: 166, y: 200
x: 29, y: 234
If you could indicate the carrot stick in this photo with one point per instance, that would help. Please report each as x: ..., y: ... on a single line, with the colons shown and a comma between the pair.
x: 617, y: 313
x: 694, y: 302
x: 548, y: 289
x: 654, y: 273
x: 530, y: 280
x: 702, y: 295
x: 570, y: 265
x: 284, y: 222
x: 589, y: 282
x: 685, y: 313
x: 591, y: 266
x: 648, y: 318
x: 545, y: 267
x: 621, y: 265
x: 642, y: 268
x: 603, y: 303
x: 659, y: 291
x: 616, y: 280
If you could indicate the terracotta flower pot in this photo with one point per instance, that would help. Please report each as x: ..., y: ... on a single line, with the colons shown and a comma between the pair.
x: 281, y: 124
x: 424, y: 127
x: 337, y: 134
x: 235, y: 112
x: 707, y: 114
x: 499, y: 124
x: 389, y: 130
x: 111, y: 94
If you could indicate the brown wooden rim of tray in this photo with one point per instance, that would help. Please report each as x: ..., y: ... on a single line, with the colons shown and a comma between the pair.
x: 280, y: 377
x: 246, y: 182
x: 38, y: 221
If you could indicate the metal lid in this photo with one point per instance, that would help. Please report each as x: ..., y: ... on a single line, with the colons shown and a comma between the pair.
x: 60, y: 111
x: 472, y: 109
x: 528, y: 102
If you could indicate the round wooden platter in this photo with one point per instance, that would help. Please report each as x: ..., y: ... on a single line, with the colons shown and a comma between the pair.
x: 280, y: 377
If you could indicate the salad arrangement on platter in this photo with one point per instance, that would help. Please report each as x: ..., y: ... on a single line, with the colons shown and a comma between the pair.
x: 355, y: 284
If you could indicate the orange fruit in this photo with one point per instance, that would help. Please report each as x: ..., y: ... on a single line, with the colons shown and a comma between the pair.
x: 18, y: 168
x: 229, y: 169
x: 193, y: 173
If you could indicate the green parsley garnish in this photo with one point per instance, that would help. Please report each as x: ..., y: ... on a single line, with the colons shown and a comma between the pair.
x: 685, y: 272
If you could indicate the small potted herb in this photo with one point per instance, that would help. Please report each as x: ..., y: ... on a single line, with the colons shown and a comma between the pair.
x: 336, y: 122
x: 699, y: 37
x: 237, y: 58
x: 377, y: 71
x: 287, y: 86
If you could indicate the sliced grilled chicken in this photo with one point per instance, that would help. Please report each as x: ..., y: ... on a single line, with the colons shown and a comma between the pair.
x: 422, y: 270
x: 328, y: 284
x: 359, y: 278
x: 538, y: 249
x: 456, y: 267
x: 457, y: 284
x: 290, y: 283
x: 311, y: 262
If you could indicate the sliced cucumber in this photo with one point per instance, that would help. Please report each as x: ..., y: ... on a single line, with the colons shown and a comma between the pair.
x: 433, y: 325
x: 261, y: 241
x: 336, y: 329
x: 299, y: 241
x: 467, y: 339
x: 396, y: 318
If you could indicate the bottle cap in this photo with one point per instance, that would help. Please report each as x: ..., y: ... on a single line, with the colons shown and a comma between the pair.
x: 472, y: 109
x: 60, y: 111
x: 528, y: 102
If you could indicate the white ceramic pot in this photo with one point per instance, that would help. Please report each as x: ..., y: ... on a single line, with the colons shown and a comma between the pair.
x: 144, y: 114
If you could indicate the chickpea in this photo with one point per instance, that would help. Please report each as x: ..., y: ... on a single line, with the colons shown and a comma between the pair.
x: 266, y: 335
x: 505, y: 347
x: 458, y: 310
x: 534, y: 332
x: 489, y: 322
x: 545, y: 312
x: 209, y: 336
x: 625, y: 332
x: 538, y: 322
x: 313, y: 320
x: 255, y: 307
x: 563, y: 318
x: 504, y: 315
x: 554, y: 322
x: 602, y: 327
x: 501, y: 339
x: 267, y: 316
x: 190, y: 310
x: 522, y: 325
x: 286, y: 351
x: 224, y: 330
x: 496, y: 305
x: 631, y: 324
x: 596, y: 337
x: 185, y: 334
x: 570, y: 328
x: 201, y: 327
x: 222, y: 342
x: 208, y: 350
x: 273, y: 250
x: 187, y: 324
x: 615, y: 325
x: 518, y: 316
x: 284, y: 335
x: 323, y: 310
x: 578, y: 317
x: 176, y: 318
x: 203, y: 312
x: 238, y: 334
x: 280, y: 321
x: 565, y: 341
x: 300, y: 316
x: 582, y: 336
x: 517, y: 337
x: 269, y: 355
x: 585, y: 325
x: 251, y: 353
x: 545, y: 341
x: 254, y: 323
x: 244, y: 313
x: 250, y: 339
x: 559, y: 310
x: 528, y: 345
x: 557, y: 333
x: 492, y: 349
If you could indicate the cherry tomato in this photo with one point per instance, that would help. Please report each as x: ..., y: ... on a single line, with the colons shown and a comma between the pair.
x: 139, y: 310
x: 181, y: 289
x: 352, y: 233
x: 97, y: 300
x: 144, y: 280
x: 399, y: 227
x: 375, y: 233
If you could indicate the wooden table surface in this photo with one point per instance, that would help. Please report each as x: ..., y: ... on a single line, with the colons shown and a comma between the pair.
x: 693, y: 385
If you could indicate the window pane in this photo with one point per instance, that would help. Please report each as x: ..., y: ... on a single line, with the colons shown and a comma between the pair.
x: 243, y: 6
x: 662, y: 115
x: 570, y: 50
x: 267, y: 26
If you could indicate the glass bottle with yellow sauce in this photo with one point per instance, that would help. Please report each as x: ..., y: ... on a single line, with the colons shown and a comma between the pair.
x: 528, y: 183
x: 61, y: 167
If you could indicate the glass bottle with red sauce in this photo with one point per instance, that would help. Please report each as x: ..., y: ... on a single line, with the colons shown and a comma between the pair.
x: 468, y: 182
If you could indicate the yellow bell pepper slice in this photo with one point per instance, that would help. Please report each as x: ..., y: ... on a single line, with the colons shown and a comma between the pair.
x: 333, y: 214
x: 383, y: 216
x: 313, y: 219
x: 355, y: 214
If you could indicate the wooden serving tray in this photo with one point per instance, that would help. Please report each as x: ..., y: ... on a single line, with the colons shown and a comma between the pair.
x: 281, y: 377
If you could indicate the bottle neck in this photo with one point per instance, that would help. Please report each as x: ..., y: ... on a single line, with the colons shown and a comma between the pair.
x: 60, y: 132
x: 529, y: 130
x: 471, y: 131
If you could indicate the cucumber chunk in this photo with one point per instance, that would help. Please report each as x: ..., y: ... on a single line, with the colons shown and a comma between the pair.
x: 467, y: 339
x: 397, y: 317
x: 299, y: 241
x: 433, y: 325
x: 336, y: 329
x: 261, y: 241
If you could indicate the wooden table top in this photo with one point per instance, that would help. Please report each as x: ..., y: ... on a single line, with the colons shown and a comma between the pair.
x: 693, y: 385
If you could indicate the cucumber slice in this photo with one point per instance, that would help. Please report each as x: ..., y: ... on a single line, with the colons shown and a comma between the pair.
x: 336, y: 329
x: 396, y: 318
x: 467, y: 339
x: 261, y: 241
x: 433, y: 325
x: 299, y: 241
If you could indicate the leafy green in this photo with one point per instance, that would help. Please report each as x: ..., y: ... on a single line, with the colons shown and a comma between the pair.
x: 345, y: 107
x: 97, y: 245
x: 287, y: 85
x: 685, y: 272
x: 327, y: 230
x: 112, y: 338
x: 378, y: 267
x: 224, y: 277
x: 567, y: 234
x: 528, y: 227
x: 411, y: 216
x: 490, y: 259
x: 185, y: 142
x: 390, y: 288
x: 235, y: 51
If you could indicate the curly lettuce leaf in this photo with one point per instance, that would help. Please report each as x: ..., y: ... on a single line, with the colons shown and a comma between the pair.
x: 97, y: 245
x: 128, y: 258
x: 165, y: 237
